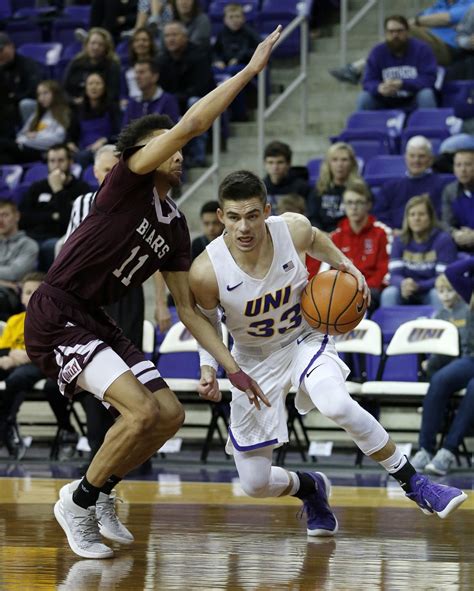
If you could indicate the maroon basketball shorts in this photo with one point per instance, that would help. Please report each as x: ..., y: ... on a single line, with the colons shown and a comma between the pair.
x: 80, y: 346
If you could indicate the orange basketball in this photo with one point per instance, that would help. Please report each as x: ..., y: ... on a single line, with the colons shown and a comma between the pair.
x: 331, y: 302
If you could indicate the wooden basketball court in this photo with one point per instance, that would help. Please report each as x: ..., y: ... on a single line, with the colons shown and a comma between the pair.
x: 210, y: 536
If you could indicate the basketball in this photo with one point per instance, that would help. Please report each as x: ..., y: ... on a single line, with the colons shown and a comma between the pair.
x: 331, y: 302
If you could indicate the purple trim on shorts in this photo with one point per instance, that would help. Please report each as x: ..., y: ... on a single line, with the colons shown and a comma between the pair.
x: 250, y: 447
x: 320, y: 352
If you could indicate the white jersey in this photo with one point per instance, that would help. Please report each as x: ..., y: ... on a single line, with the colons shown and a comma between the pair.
x: 262, y: 315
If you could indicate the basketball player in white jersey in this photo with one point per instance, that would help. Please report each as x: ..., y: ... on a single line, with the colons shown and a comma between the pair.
x: 254, y: 275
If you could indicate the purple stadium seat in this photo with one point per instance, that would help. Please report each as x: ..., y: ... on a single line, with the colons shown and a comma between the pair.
x: 79, y: 12
x: 89, y: 177
x: 24, y: 32
x: 383, y: 168
x: 47, y: 54
x: 400, y: 367
x: 452, y: 90
x: 365, y: 150
x: 431, y: 123
x: 384, y: 126
x: 11, y: 174
x: 6, y: 9
x: 63, y: 29
x: 274, y: 13
x: 313, y: 167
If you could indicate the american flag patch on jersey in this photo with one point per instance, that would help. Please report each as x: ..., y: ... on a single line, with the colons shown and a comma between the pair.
x: 288, y: 266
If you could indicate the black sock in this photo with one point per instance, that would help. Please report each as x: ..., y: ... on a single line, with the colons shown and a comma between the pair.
x: 110, y: 483
x: 85, y: 494
x: 404, y: 476
x: 307, y: 486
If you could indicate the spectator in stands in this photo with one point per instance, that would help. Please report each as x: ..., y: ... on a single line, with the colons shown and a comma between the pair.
x: 280, y: 179
x: 141, y: 47
x: 96, y: 121
x: 45, y: 127
x: 19, y: 77
x: 363, y: 239
x: 198, y: 25
x: 454, y: 309
x: 454, y: 376
x: 153, y: 98
x: 458, y: 202
x: 211, y: 228
x: 113, y: 15
x: 18, y: 256
x: 437, y: 26
x: 400, y: 73
x: 463, y: 69
x: 97, y: 55
x: 185, y: 71
x: 419, y: 179
x: 325, y: 208
x: 236, y: 42
x: 291, y: 203
x: 419, y: 254
x: 46, y: 205
x: 153, y: 14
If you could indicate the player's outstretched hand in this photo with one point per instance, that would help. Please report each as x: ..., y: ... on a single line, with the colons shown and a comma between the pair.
x: 361, y: 282
x: 262, y: 54
x: 244, y: 382
x: 208, y: 387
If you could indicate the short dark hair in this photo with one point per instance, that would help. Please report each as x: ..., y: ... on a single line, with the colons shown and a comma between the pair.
x: 240, y: 185
x: 153, y: 64
x: 64, y: 147
x: 8, y: 203
x: 398, y: 18
x: 33, y: 276
x: 278, y: 149
x: 139, y: 129
x: 209, y: 207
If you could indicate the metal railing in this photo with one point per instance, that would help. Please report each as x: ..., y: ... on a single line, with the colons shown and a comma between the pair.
x: 213, y: 170
x: 263, y: 113
x: 346, y: 27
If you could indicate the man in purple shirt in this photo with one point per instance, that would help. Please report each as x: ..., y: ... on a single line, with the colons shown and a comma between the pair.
x: 154, y: 99
x: 134, y: 229
x: 400, y: 73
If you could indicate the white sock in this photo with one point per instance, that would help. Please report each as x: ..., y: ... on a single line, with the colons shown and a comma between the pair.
x: 396, y: 461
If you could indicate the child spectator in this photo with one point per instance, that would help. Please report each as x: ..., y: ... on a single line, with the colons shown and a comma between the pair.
x: 98, y: 55
x: 211, y: 228
x: 280, y: 179
x: 292, y: 203
x: 454, y: 310
x: 236, y: 42
x: 96, y: 121
x: 363, y: 240
x: 419, y: 254
x: 45, y: 127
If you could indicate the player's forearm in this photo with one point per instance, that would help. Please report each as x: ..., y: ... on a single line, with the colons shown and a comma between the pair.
x: 208, y: 338
x: 325, y: 250
x: 203, y: 113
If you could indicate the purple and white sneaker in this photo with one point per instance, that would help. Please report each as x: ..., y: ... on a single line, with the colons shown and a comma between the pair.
x: 321, y: 521
x: 435, y: 498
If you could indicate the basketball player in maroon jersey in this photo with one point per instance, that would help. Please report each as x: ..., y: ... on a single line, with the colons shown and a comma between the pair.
x: 133, y: 230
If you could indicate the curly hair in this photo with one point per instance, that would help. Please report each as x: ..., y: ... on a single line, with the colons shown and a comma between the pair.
x: 139, y: 129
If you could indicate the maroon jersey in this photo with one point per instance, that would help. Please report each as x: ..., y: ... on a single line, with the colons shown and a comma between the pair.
x: 128, y: 235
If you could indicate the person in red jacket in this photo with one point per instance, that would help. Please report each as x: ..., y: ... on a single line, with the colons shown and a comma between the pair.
x: 362, y: 239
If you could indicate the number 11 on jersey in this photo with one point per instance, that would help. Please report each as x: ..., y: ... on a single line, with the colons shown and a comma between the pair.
x: 129, y: 261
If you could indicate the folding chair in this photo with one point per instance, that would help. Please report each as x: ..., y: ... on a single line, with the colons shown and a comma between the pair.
x: 178, y: 363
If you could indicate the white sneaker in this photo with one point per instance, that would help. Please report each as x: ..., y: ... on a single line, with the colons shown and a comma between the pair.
x: 85, y: 575
x: 80, y: 526
x: 110, y: 525
x: 441, y: 463
x: 420, y: 459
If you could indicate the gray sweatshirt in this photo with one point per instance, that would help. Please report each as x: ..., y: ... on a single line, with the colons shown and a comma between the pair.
x: 18, y: 256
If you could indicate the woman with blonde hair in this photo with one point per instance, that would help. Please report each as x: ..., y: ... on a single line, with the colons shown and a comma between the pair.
x: 46, y: 127
x: 419, y: 254
x: 98, y: 55
x: 339, y: 168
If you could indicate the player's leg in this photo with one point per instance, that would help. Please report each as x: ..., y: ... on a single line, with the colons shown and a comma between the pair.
x: 326, y: 387
x: 259, y: 478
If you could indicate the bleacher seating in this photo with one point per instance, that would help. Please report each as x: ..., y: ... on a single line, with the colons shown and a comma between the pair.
x: 431, y: 123
x: 384, y: 168
x: 384, y: 126
x: 47, y: 54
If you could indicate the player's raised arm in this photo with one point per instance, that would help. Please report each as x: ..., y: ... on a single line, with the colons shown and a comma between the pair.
x: 318, y: 245
x: 202, y: 114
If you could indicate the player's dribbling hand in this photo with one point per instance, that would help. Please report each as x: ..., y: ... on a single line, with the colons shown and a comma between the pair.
x: 361, y: 282
x: 264, y: 49
x: 244, y: 382
x: 208, y: 387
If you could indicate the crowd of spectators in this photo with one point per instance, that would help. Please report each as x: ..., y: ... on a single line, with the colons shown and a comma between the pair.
x: 402, y: 234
